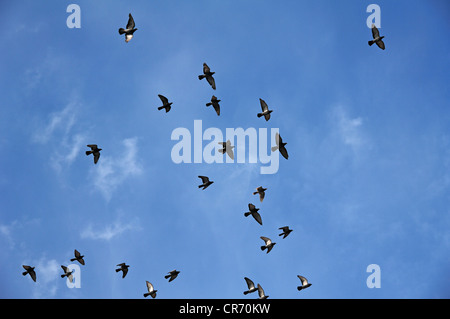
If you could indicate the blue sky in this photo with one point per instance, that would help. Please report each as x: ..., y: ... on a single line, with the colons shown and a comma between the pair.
x: 367, y: 180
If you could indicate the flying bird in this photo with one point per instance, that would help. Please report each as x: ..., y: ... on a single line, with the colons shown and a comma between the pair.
x: 215, y: 103
x: 151, y: 290
x: 261, y: 191
x: 67, y: 273
x: 286, y: 231
x: 206, y: 182
x: 261, y: 293
x: 129, y: 30
x: 304, y: 281
x: 269, y: 244
x: 250, y: 285
x: 227, y: 148
x: 280, y: 146
x: 166, y: 105
x: 376, y: 38
x: 78, y: 257
x: 254, y: 212
x: 29, y: 270
x: 123, y: 268
x: 95, y: 151
x: 208, y: 75
x: 265, y: 110
x: 172, y: 275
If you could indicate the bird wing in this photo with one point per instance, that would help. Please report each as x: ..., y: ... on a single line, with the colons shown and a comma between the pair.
x: 375, y: 32
x: 163, y: 99
x: 249, y: 282
x: 257, y: 217
x: 130, y: 24
x: 284, y: 152
x: 284, y: 228
x: 211, y: 81
x: 277, y: 139
x: 264, y: 106
x: 77, y: 253
x: 122, y: 264
x: 70, y: 277
x: 261, y: 195
x: 267, y: 116
x: 303, y: 280
x: 380, y: 44
x: 149, y: 286
x: 124, y: 272
x: 251, y: 206
x: 216, y: 107
x: 96, y: 157
x: 260, y: 291
x: 92, y: 146
x: 230, y: 152
x: 206, y: 68
x: 205, y: 179
x: 32, y: 274
x: 64, y: 268
x: 26, y: 267
x: 266, y: 240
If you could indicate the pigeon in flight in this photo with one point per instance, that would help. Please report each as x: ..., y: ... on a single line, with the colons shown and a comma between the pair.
x: 123, y: 268
x: 269, y: 244
x: 261, y: 191
x: 286, y: 231
x: 29, y: 270
x: 129, y: 30
x: 166, y: 105
x: 280, y: 146
x: 215, y: 103
x: 151, y: 290
x: 254, y: 212
x: 172, y: 275
x: 227, y: 148
x: 304, y: 281
x: 206, y: 182
x: 94, y: 150
x: 250, y: 285
x: 78, y: 257
x: 67, y: 273
x: 376, y: 38
x: 261, y: 293
x: 208, y: 75
x: 265, y: 110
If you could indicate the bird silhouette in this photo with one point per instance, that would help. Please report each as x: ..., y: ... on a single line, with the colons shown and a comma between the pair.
x: 261, y: 191
x: 376, y: 38
x: 286, y: 231
x: 265, y: 110
x: 95, y: 151
x: 172, y: 275
x: 78, y: 257
x: 261, y: 293
x: 250, y: 285
x: 304, y: 281
x: 269, y: 244
x: 208, y: 75
x: 67, y: 273
x: 151, y: 290
x: 166, y: 105
x: 123, y: 268
x: 280, y: 146
x: 215, y: 103
x: 129, y: 30
x: 206, y: 182
x: 227, y: 148
x: 29, y: 270
x: 254, y: 212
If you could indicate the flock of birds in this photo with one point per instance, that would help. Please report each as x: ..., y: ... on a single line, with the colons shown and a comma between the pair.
x: 227, y: 148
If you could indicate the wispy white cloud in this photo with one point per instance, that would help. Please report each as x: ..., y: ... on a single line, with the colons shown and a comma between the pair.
x: 107, y: 232
x: 47, y: 274
x: 113, y: 171
x: 349, y: 129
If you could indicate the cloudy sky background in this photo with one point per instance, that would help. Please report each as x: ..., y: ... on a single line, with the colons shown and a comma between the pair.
x: 367, y: 180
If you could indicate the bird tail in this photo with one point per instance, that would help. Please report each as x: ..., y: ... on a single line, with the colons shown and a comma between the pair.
x: 121, y: 31
x: 245, y: 292
x: 62, y: 276
x: 222, y: 151
x: 371, y: 42
x: 161, y: 107
x: 263, y: 247
x: 88, y: 152
x: 146, y: 294
x: 117, y: 270
x: 254, y: 193
x: 201, y: 76
x: 208, y: 104
x: 299, y: 288
x: 274, y: 148
x: 73, y: 259
x: 246, y: 214
x: 24, y: 273
x: 259, y: 114
x: 167, y: 276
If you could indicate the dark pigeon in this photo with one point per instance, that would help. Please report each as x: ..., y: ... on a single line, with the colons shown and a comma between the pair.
x: 78, y: 257
x: 286, y: 231
x: 250, y: 285
x: 215, y: 103
x: 166, y: 105
x: 206, y: 182
x: 123, y: 268
x: 29, y: 270
x: 172, y: 275
x: 95, y: 151
x: 129, y: 30
x: 304, y: 281
x: 265, y: 110
x: 208, y: 75
x: 67, y: 273
x: 151, y: 290
x: 269, y: 244
x: 376, y: 38
x: 254, y: 212
x: 280, y: 146
x: 227, y: 148
x: 261, y: 293
x: 261, y: 191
